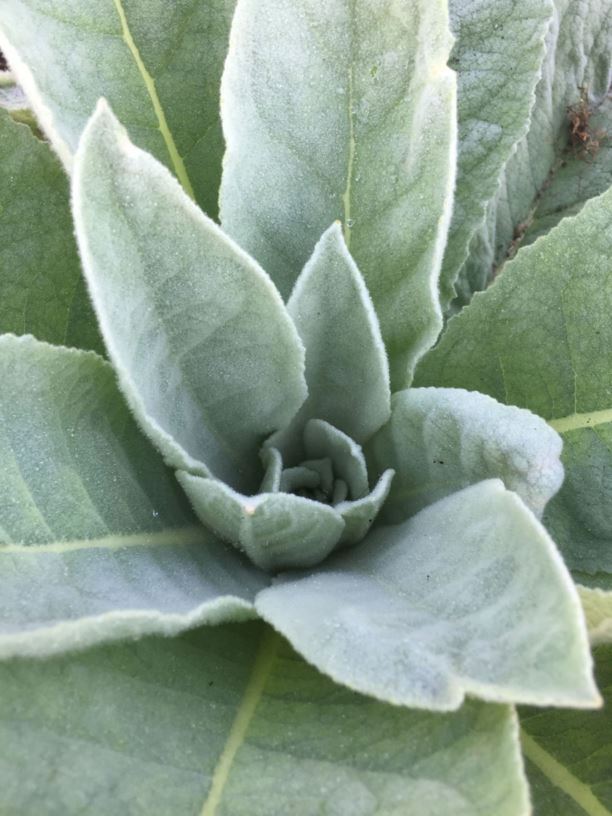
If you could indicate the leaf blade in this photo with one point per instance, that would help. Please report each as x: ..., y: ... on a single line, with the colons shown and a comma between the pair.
x: 423, y: 600
x: 440, y: 440
x: 568, y: 754
x: 193, y: 302
x: 551, y: 365
x: 217, y: 703
x: 364, y: 162
x: 159, y: 65
x: 97, y: 542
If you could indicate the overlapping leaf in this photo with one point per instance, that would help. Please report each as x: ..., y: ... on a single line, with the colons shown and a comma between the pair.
x: 498, y: 56
x: 207, y: 356
x: 569, y: 754
x: 42, y: 289
x: 440, y: 440
x: 541, y: 338
x: 579, y: 59
x: 97, y: 542
x: 468, y: 597
x: 350, y: 117
x: 229, y: 721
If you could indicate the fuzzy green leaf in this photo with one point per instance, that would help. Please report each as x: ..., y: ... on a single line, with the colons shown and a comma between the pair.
x: 346, y: 364
x: 207, y: 356
x: 498, y: 58
x: 469, y: 596
x: 440, y: 440
x: 275, y: 530
x: 43, y: 292
x: 159, y: 64
x: 229, y: 721
x: 96, y: 542
x: 569, y: 754
x: 541, y: 338
x: 350, y: 117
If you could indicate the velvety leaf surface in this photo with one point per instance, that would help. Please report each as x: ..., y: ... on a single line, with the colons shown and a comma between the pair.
x: 469, y: 596
x: 207, y: 356
x: 440, y: 440
x: 228, y: 721
x: 498, y: 57
x: 40, y: 279
x: 159, y: 64
x: 579, y: 55
x: 275, y: 530
x: 335, y: 122
x: 96, y: 539
x: 541, y: 338
x: 346, y: 363
x: 569, y: 754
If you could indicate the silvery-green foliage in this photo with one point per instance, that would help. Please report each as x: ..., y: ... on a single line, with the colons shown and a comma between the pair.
x: 251, y: 446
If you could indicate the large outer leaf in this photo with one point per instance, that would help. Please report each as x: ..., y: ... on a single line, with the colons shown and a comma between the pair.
x: 541, y: 338
x: 569, y: 754
x: 498, y: 58
x: 96, y: 539
x: 207, y: 356
x: 579, y: 54
x: 440, y: 440
x: 346, y: 364
x: 469, y: 596
x: 345, y: 111
x: 229, y: 722
x: 40, y: 278
x: 158, y: 63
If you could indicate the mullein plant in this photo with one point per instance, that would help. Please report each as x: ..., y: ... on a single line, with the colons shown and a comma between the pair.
x: 285, y: 525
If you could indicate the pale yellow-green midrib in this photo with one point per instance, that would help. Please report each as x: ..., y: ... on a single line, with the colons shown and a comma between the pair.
x: 562, y: 778
x: 251, y: 697
x: 176, y: 159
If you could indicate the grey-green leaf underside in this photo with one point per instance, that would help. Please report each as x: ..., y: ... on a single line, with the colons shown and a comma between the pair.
x: 469, y: 596
x: 206, y: 354
x: 96, y: 539
x: 336, y: 122
x: 569, y: 753
x: 541, y: 338
x: 159, y: 64
x: 43, y: 292
x: 229, y: 721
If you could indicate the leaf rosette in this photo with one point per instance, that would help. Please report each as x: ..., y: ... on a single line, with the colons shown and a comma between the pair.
x: 254, y: 448
x: 377, y: 532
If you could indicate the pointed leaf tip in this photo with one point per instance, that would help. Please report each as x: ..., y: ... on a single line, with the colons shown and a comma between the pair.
x: 177, y: 300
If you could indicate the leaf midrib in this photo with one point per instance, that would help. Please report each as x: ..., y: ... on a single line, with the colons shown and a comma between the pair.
x: 253, y: 691
x: 149, y: 83
x: 167, y: 537
x: 561, y: 777
x: 574, y: 422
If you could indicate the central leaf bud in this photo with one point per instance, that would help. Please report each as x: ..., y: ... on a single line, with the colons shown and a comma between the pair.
x: 321, y: 501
